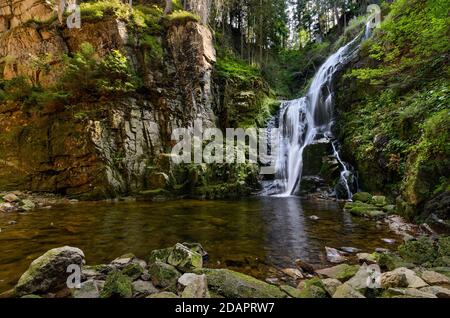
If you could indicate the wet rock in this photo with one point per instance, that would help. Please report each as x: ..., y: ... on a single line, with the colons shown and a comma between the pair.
x: 304, y: 266
x: 163, y: 295
x: 314, y: 217
x: 334, y: 256
x: 293, y: 273
x: 330, y: 285
x: 392, y: 279
x: 164, y: 275
x: 438, y: 291
x: 197, y: 247
x: 346, y: 291
x: 231, y: 284
x: 364, y: 210
x: 362, y: 197
x: 400, y: 226
x: 88, y: 289
x: 7, y: 207
x: 193, y: 286
x: 389, y: 241
x: 408, y: 293
x: 184, y: 259
x: 367, y: 258
x: 350, y: 250
x: 360, y: 281
x: 142, y: 289
x: 381, y: 250
x: 117, y: 285
x: 434, y: 278
x: 49, y: 272
x: 342, y: 272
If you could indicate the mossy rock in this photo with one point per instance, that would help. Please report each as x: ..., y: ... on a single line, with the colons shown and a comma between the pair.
x: 364, y: 210
x: 312, y: 288
x: 133, y: 270
x: 392, y: 261
x: 341, y: 272
x: 291, y: 291
x: 164, y: 276
x: 364, y: 197
x: 159, y: 255
x: 232, y: 284
x: 184, y: 258
x: 379, y: 200
x: 418, y: 251
x: 117, y: 285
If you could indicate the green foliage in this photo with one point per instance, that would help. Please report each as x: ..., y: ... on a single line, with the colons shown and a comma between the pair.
x: 232, y: 67
x: 17, y: 89
x: 418, y: 251
x: 117, y: 285
x: 150, y: 43
x: 180, y: 17
x: 86, y: 76
x: 96, y: 11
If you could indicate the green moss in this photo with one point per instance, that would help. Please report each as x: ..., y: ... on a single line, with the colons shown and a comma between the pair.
x: 117, y: 285
x: 444, y: 246
x: 159, y: 255
x: 164, y: 276
x: 418, y: 251
x: 96, y: 11
x: 312, y: 288
x: 133, y: 270
x: 392, y: 261
x: 180, y: 17
x: 362, y: 197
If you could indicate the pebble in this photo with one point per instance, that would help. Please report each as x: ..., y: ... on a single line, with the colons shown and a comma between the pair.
x: 12, y: 222
x: 381, y: 250
x: 314, y: 217
x: 389, y: 241
x: 350, y: 250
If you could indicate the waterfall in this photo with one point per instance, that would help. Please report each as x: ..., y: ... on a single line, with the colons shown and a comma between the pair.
x: 304, y: 120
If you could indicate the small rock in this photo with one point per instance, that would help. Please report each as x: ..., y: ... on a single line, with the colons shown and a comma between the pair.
x: 184, y: 259
x: 7, y: 207
x: 11, y: 197
x: 12, y: 222
x: 330, y: 285
x: 133, y: 270
x: 350, y: 250
x: 293, y: 272
x: 314, y: 217
x: 381, y: 250
x: 193, y: 286
x: 305, y: 266
x: 438, y: 291
x: 291, y: 291
x: 334, y: 256
x: 272, y: 280
x: 342, y: 272
x: 164, y: 275
x: 27, y: 205
x: 366, y: 258
x: 387, y: 240
x: 346, y: 291
x: 142, y: 289
x: 88, y: 289
x: 434, y: 278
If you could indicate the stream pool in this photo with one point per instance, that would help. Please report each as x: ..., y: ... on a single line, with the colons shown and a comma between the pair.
x: 255, y: 236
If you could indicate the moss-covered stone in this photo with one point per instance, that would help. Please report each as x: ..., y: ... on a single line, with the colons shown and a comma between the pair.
x: 184, y: 258
x: 117, y: 285
x: 362, y: 197
x: 312, y: 288
x: 231, y: 284
x: 418, y: 251
x: 364, y: 209
x: 392, y: 261
x: 291, y: 291
x: 160, y: 255
x: 164, y: 275
x: 133, y: 270
x: 379, y: 200
x: 341, y: 272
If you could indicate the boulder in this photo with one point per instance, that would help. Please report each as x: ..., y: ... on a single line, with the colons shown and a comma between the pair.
x: 392, y: 279
x: 142, y: 289
x: 346, y: 291
x: 184, y: 258
x: 88, y: 289
x: 160, y: 255
x: 362, y: 197
x: 293, y: 273
x: 291, y: 291
x: 164, y: 275
x: 342, y: 272
x: 434, y: 278
x: 231, y: 284
x: 367, y: 258
x: 413, y: 280
x: 11, y: 198
x: 133, y: 270
x: 193, y: 286
x: 364, y: 209
x: 330, y: 285
x: 117, y: 285
x: 438, y: 291
x: 304, y: 266
x: 48, y: 273
x: 334, y: 256
x: 360, y: 281
x: 379, y: 200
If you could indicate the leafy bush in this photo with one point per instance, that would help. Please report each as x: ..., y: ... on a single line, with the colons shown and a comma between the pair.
x: 418, y: 251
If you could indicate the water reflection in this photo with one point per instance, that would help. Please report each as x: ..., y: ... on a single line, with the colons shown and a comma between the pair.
x: 248, y: 235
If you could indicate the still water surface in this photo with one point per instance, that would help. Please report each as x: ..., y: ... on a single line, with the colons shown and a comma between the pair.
x: 251, y: 236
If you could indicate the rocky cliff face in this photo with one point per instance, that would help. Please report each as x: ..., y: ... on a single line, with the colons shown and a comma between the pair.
x: 120, y: 146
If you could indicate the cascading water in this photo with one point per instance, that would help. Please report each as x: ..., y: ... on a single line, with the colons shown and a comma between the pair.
x: 304, y: 120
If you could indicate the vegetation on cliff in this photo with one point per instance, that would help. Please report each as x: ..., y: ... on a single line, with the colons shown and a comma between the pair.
x: 393, y: 105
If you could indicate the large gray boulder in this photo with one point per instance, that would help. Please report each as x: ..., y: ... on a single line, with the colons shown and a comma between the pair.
x: 193, y: 286
x: 48, y: 273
